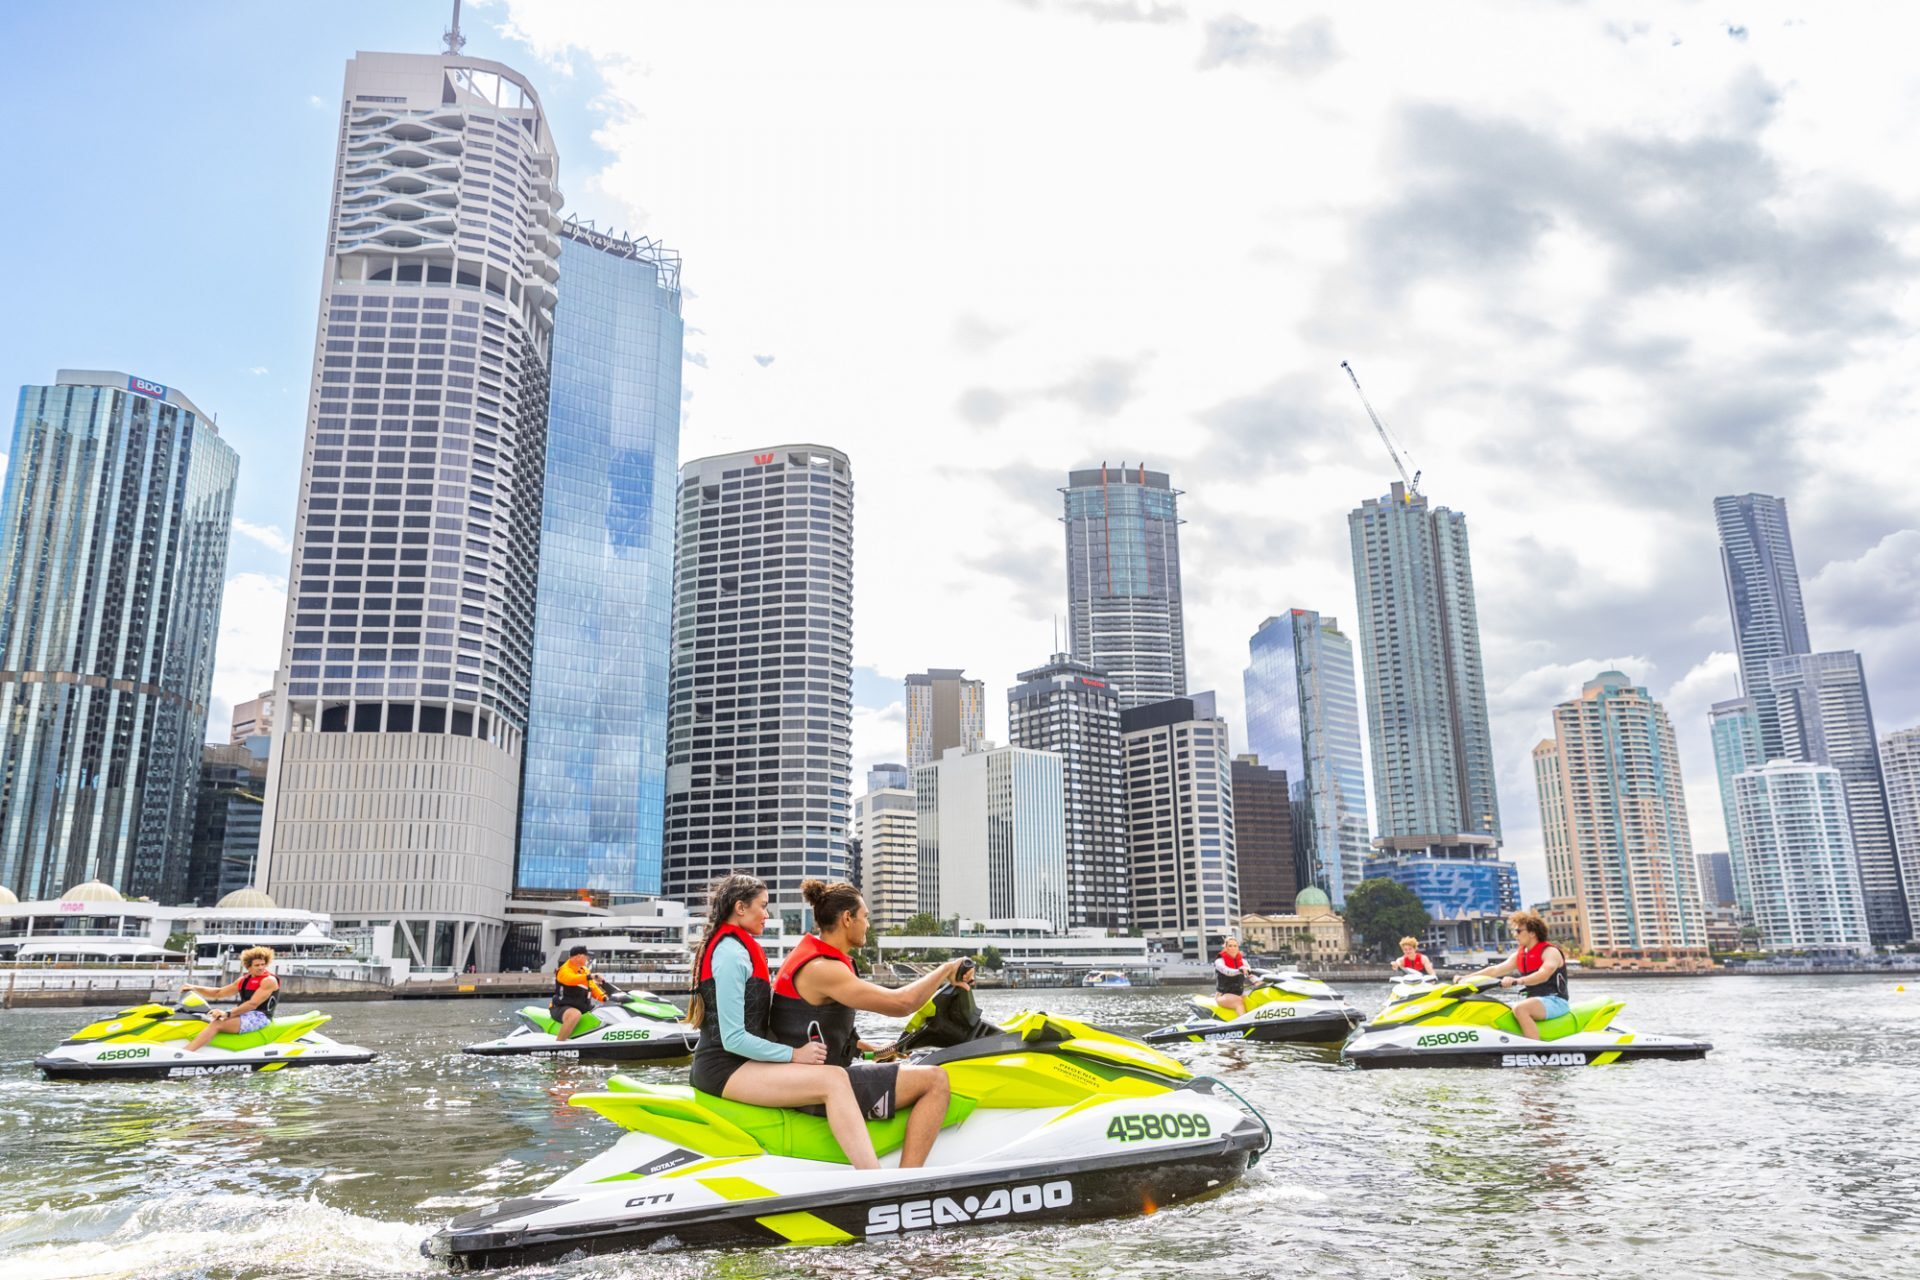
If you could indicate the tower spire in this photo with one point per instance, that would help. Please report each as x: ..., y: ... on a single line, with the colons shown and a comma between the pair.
x: 455, y: 41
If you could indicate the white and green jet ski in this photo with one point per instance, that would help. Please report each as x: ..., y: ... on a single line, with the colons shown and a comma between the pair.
x: 1280, y: 1006
x: 634, y: 1026
x: 1462, y: 1025
x: 1417, y: 983
x: 1052, y: 1120
x: 149, y: 1042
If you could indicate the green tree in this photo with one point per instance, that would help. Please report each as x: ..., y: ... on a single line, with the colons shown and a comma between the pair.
x: 921, y: 925
x: 1380, y: 912
x: 991, y: 960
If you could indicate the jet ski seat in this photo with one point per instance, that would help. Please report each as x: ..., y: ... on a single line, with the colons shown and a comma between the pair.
x: 1588, y: 1015
x: 290, y: 1027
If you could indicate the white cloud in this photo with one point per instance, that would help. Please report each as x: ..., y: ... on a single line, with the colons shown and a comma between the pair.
x: 257, y: 370
x: 317, y: 102
x: 267, y: 535
x: 253, y: 611
x: 1595, y: 270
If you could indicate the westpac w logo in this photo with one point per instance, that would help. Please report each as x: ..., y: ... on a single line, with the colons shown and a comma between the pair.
x: 762, y: 459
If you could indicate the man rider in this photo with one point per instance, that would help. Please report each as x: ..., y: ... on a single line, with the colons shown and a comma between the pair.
x: 257, y: 990
x: 1538, y: 966
x: 574, y: 991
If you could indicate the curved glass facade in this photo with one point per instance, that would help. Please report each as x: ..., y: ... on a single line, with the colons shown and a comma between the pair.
x: 591, y: 802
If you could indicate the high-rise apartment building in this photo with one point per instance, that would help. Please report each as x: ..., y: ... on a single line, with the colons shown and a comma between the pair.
x: 393, y: 796
x: 593, y: 796
x: 226, y: 823
x: 760, y: 727
x: 992, y: 835
x: 1433, y: 771
x: 1716, y: 879
x: 1264, y: 856
x: 1303, y: 718
x: 1180, y: 823
x: 1613, y: 813
x: 1801, y: 865
x: 1900, y: 769
x: 113, y: 556
x: 1763, y: 595
x: 1073, y: 710
x: 1124, y: 615
x: 944, y: 710
x: 252, y: 719
x: 1824, y: 715
x: 886, y: 823
x: 1735, y: 725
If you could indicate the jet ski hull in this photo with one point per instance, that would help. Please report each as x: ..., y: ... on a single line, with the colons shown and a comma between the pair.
x: 1445, y: 1046
x: 1270, y: 1023
x: 775, y: 1200
x: 623, y: 1043
x: 162, y: 1061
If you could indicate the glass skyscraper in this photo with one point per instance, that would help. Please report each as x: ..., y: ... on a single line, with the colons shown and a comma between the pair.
x: 1433, y: 772
x: 1736, y: 748
x: 113, y: 557
x: 1123, y: 581
x: 1070, y: 709
x: 1303, y: 717
x: 1825, y: 717
x: 1763, y: 594
x: 593, y: 796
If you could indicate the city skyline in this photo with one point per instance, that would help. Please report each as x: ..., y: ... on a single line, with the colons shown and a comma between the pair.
x: 1636, y: 587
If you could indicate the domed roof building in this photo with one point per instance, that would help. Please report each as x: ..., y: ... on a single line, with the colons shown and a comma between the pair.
x: 92, y: 891
x: 248, y: 897
x: 1313, y: 932
x: 7, y: 895
x: 1311, y: 896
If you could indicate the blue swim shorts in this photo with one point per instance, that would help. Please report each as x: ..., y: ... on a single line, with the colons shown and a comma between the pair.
x: 1555, y: 1006
x: 254, y: 1020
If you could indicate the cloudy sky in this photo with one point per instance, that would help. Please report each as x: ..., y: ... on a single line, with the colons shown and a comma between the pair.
x: 1594, y: 266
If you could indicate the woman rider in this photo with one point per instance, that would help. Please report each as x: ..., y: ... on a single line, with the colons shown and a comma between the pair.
x: 1537, y: 966
x: 818, y: 1001
x: 257, y: 989
x: 1230, y: 978
x: 731, y: 1004
x: 1411, y: 959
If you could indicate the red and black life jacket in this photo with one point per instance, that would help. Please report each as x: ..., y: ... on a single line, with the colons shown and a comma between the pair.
x: 250, y: 984
x: 711, y: 1061
x: 794, y: 1020
x: 1529, y: 959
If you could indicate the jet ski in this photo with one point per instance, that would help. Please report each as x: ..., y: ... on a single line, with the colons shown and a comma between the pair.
x: 149, y: 1042
x: 1051, y: 1120
x: 634, y: 1026
x: 949, y: 1019
x: 1280, y: 1006
x: 1461, y: 1025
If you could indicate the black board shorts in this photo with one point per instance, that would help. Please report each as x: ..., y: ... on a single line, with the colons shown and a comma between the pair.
x: 876, y: 1090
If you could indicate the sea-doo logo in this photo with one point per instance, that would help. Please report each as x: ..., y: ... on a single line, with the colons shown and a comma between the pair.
x: 640, y: 1201
x: 631, y: 1033
x: 1002, y: 1202
x: 212, y: 1071
x: 118, y: 1055
x: 1543, y: 1059
x: 1448, y: 1037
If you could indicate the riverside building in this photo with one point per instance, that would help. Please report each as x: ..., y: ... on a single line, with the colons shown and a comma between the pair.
x: 887, y: 823
x: 944, y: 710
x: 1303, y: 718
x: 1264, y: 857
x: 1825, y: 717
x: 113, y: 556
x: 1805, y: 876
x: 1180, y: 824
x: 1125, y: 616
x: 1735, y: 726
x: 594, y: 792
x: 1613, y: 815
x: 1073, y: 710
x: 1900, y: 769
x: 760, y: 718
x: 1763, y: 595
x: 992, y: 835
x: 393, y: 794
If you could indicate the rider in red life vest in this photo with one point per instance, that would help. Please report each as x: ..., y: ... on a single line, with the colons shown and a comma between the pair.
x: 1538, y: 967
x: 1230, y: 978
x: 258, y: 991
x: 1412, y: 960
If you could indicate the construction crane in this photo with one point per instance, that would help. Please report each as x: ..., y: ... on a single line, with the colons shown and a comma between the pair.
x: 1386, y: 438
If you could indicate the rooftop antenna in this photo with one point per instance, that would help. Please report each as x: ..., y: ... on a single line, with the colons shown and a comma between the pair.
x: 455, y: 41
